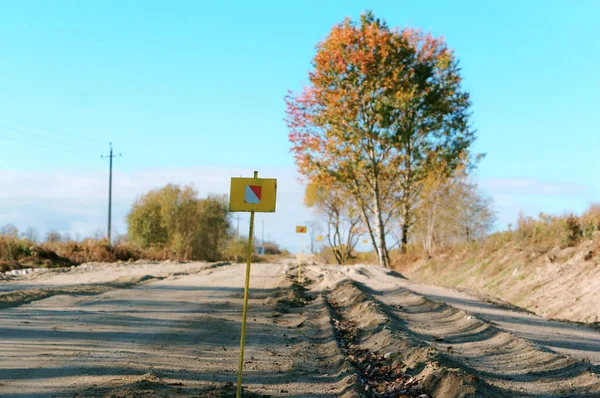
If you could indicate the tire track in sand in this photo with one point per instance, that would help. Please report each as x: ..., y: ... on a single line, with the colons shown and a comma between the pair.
x: 515, y: 365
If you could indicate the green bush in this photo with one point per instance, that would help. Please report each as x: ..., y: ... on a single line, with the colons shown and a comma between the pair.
x: 237, y: 251
x: 175, y: 219
x: 271, y: 248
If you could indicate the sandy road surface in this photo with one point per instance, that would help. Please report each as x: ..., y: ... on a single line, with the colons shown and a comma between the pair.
x: 175, y: 336
x: 170, y: 329
x: 98, y: 273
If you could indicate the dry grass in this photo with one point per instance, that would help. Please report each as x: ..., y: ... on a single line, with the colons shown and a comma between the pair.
x: 326, y: 256
x: 22, y: 253
x: 544, y: 264
x: 547, y: 231
x: 535, y: 236
x: 96, y: 250
x: 17, y: 253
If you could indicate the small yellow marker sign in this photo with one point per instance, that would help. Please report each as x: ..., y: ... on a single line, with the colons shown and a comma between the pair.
x: 251, y: 195
x: 300, y: 229
x: 318, y: 238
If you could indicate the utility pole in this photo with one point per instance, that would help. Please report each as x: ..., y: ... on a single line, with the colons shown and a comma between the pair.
x: 262, y: 239
x: 110, y: 157
x: 238, y: 227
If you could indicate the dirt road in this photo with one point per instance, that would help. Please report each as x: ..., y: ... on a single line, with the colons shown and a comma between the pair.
x: 171, y: 329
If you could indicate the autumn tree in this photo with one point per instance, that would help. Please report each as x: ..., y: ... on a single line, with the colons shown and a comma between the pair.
x: 9, y: 230
x: 474, y: 214
x: 31, y: 234
x: 433, y: 210
x: 452, y: 211
x: 315, y: 228
x: 381, y: 105
x: 53, y: 236
x: 343, y: 220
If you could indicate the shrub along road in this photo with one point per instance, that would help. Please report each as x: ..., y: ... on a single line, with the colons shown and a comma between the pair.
x: 170, y: 329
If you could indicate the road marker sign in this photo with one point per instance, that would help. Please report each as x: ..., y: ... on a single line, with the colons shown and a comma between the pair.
x: 319, y: 238
x: 300, y: 229
x: 250, y: 195
x: 253, y: 194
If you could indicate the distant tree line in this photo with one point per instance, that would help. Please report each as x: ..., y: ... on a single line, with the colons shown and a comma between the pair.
x: 171, y: 222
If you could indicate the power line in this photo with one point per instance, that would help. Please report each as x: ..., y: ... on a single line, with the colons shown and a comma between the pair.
x: 52, y: 130
x: 42, y: 145
x: 79, y: 147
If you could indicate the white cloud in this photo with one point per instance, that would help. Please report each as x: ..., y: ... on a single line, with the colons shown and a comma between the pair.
x: 76, y: 201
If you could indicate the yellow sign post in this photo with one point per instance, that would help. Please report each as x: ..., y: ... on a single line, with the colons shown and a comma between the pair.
x: 250, y: 195
x: 319, y: 238
x: 300, y: 229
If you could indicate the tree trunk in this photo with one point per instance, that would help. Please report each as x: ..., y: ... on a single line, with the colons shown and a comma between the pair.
x: 382, y: 252
x: 377, y: 231
x: 407, y: 187
x: 405, y: 227
x: 332, y: 238
x: 431, y: 224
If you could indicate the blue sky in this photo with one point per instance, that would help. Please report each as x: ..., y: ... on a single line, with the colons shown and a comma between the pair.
x: 192, y: 91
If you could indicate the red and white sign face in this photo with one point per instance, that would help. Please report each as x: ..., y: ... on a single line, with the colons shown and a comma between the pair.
x: 253, y: 194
